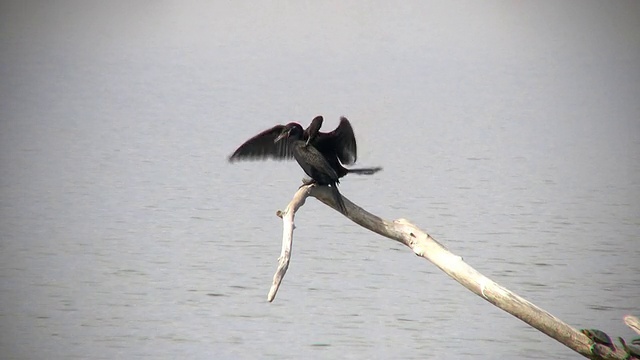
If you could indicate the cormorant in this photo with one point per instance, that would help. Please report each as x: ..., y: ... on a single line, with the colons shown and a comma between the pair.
x: 338, y: 146
x: 312, y: 161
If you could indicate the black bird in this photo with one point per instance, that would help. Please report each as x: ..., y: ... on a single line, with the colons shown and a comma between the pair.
x: 338, y: 146
x: 312, y: 161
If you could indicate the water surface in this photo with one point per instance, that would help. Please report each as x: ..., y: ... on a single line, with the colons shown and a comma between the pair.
x: 509, y: 132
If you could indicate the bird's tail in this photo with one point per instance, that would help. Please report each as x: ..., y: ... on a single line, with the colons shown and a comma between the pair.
x: 364, y: 171
x: 338, y: 197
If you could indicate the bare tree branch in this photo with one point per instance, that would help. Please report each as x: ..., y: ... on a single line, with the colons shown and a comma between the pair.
x: 633, y: 323
x: 425, y: 246
x: 287, y: 238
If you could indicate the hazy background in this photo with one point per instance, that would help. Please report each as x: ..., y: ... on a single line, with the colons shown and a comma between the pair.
x: 510, y: 131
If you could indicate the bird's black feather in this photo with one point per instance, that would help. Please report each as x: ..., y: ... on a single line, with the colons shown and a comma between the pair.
x: 338, y: 146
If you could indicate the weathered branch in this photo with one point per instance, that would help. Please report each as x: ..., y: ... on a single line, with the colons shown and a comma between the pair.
x: 287, y: 238
x: 427, y: 247
x: 633, y: 323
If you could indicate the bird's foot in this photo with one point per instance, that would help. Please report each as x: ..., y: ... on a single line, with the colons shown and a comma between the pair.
x: 307, y: 181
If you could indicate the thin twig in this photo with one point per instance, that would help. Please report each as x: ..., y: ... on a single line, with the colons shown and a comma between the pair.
x: 287, y: 238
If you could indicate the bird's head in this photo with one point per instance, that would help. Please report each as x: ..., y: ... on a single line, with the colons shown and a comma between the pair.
x: 284, y: 134
x: 291, y: 129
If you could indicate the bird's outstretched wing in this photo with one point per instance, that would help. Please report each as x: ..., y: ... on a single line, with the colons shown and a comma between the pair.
x: 262, y: 147
x: 313, y: 130
x: 343, y: 140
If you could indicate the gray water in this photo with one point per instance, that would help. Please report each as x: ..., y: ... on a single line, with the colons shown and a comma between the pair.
x: 509, y: 131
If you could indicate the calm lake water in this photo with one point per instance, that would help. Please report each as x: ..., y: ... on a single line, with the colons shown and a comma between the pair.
x: 509, y: 131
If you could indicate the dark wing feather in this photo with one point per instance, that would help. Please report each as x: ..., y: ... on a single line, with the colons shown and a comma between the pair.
x: 313, y: 129
x: 262, y: 147
x: 343, y: 140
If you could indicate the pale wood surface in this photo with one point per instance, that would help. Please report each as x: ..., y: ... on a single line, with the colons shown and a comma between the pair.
x: 633, y: 323
x: 427, y: 247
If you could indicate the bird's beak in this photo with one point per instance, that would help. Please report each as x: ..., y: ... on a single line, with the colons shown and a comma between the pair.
x: 284, y: 134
